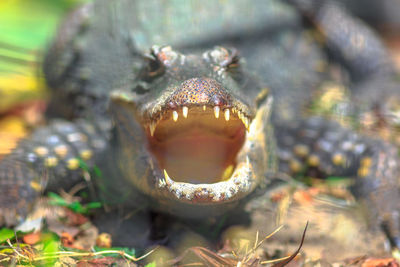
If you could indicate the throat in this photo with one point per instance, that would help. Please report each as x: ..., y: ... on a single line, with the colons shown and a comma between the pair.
x: 197, y: 157
x: 199, y: 149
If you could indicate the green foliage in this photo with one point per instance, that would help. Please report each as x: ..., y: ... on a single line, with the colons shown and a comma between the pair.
x: 151, y: 264
x: 28, y: 255
x: 93, y: 171
x: 6, y: 233
x: 97, y: 172
x: 75, y: 206
x: 51, y: 244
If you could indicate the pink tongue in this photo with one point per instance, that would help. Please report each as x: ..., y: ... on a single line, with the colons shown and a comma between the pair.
x: 197, y: 157
x: 197, y: 149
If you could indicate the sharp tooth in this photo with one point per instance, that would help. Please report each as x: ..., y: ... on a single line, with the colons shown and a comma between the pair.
x: 167, y: 179
x: 175, y: 116
x: 204, y: 108
x: 228, y: 172
x: 246, y: 122
x: 243, y: 119
x: 239, y: 115
x: 248, y: 162
x: 185, y: 111
x: 161, y: 183
x: 233, y: 110
x: 216, y: 112
x: 226, y: 114
x: 152, y: 128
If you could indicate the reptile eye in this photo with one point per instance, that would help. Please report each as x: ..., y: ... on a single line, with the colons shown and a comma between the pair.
x: 160, y: 58
x: 153, y: 67
x: 233, y: 60
x: 224, y: 57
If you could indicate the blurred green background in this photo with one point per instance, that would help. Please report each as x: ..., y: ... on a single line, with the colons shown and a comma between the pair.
x: 29, y: 23
x: 26, y: 26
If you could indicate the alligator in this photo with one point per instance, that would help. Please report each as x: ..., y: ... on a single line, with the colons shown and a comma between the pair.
x: 194, y: 122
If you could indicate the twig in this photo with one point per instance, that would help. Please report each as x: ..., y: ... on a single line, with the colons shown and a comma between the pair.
x: 16, y: 251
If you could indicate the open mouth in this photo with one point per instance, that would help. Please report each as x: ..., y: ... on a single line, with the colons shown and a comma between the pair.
x: 199, y: 144
x: 197, y: 148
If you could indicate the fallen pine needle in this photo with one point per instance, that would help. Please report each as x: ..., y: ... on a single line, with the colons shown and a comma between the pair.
x: 60, y: 254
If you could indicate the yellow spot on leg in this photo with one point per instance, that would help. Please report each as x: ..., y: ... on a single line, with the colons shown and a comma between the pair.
x: 73, y: 164
x: 365, y: 164
x: 61, y: 150
x: 338, y: 159
x: 50, y: 162
x: 363, y: 171
x: 86, y: 154
x: 301, y: 150
x: 36, y: 186
x: 313, y: 160
x: 41, y: 151
x: 295, y: 166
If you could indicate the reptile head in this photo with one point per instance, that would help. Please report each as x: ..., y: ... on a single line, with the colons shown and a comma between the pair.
x: 193, y: 130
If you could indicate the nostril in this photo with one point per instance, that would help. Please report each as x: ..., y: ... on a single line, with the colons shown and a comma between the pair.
x: 217, y: 100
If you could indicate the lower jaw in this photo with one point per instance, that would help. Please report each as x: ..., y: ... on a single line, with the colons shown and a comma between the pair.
x: 204, y: 201
x: 238, y: 185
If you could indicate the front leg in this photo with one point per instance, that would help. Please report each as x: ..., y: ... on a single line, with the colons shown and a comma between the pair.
x: 317, y: 147
x: 50, y: 159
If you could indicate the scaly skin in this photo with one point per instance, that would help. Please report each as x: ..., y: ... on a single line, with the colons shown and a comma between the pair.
x: 191, y: 132
x: 211, y: 87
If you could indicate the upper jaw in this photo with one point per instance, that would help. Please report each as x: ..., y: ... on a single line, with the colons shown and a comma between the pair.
x: 192, y: 95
